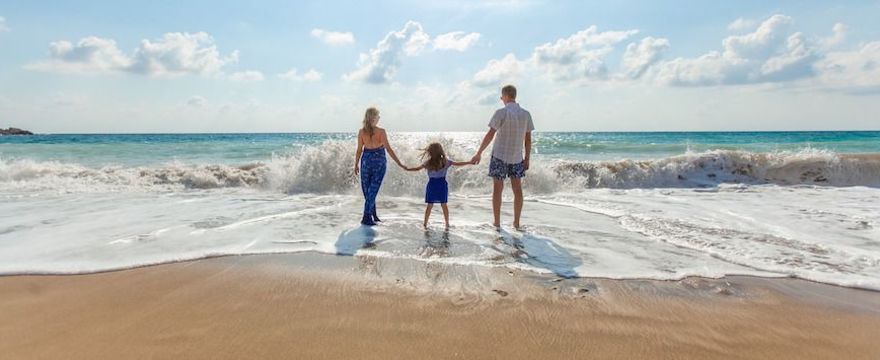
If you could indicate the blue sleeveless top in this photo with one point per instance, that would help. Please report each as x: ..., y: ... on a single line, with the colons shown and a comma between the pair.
x: 442, y: 172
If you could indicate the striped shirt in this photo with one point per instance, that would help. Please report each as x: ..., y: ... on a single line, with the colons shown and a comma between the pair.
x: 511, y: 123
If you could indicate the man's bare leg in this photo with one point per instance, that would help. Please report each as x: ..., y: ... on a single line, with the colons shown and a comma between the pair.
x: 497, y: 190
x: 516, y: 185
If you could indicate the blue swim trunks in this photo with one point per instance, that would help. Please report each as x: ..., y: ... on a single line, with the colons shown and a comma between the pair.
x: 500, y: 170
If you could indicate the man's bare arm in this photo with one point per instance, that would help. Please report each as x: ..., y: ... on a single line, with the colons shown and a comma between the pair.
x: 490, y: 135
x: 528, y: 147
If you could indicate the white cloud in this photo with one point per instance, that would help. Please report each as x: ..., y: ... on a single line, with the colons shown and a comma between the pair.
x: 837, y: 37
x: 172, y: 54
x: 180, y: 53
x: 489, y: 98
x: 856, y: 71
x: 708, y: 69
x: 3, y: 26
x: 761, y: 43
x: 417, y: 42
x: 581, y: 55
x: 309, y: 76
x: 88, y: 55
x: 796, y: 61
x: 741, y: 24
x: 497, y: 72
x: 196, y: 101
x: 333, y: 38
x: 456, y: 40
x: 638, y: 57
x: 771, y: 53
x: 380, y: 64
x: 247, y: 76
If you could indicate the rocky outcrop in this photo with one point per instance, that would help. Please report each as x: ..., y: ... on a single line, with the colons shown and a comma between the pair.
x: 15, y: 131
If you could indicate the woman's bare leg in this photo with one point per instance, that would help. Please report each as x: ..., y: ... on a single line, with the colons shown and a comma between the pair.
x: 445, y: 214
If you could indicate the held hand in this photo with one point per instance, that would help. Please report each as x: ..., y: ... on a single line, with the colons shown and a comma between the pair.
x: 357, y: 170
x: 526, y: 163
x: 476, y: 159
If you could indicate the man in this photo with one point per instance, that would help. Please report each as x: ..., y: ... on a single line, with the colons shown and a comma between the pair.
x: 511, y: 128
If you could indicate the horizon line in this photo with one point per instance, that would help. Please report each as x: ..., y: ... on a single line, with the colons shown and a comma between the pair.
x: 438, y: 131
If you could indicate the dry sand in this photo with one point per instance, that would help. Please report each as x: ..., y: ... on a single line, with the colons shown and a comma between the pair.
x: 313, y: 307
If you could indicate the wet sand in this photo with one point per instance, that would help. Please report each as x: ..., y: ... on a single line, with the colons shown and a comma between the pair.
x: 317, y: 306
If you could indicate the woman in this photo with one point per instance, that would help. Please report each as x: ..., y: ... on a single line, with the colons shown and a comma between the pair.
x: 369, y: 161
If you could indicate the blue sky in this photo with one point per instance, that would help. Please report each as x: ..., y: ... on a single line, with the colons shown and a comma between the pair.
x: 209, y: 66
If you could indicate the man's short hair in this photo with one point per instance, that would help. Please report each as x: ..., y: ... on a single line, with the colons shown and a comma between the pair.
x: 509, y: 90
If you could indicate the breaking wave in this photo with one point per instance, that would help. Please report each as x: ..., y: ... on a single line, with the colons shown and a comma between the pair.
x: 327, y: 168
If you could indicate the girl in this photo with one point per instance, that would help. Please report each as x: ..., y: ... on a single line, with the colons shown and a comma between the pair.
x: 371, y: 147
x: 437, y: 190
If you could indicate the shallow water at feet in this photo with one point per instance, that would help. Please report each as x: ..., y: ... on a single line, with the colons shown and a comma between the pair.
x: 769, y: 205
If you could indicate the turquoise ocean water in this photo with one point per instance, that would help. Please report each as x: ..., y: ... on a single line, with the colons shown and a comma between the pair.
x: 144, y: 149
x: 616, y: 205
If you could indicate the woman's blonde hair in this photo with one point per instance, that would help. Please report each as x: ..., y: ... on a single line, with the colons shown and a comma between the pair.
x: 369, y: 115
x: 436, y: 157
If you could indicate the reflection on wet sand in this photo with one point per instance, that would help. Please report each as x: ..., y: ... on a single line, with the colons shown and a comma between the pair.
x: 436, y: 246
x: 538, y: 251
x: 349, y: 242
x: 442, y: 255
x: 362, y: 237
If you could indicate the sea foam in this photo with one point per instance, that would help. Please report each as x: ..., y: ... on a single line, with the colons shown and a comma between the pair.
x: 328, y: 168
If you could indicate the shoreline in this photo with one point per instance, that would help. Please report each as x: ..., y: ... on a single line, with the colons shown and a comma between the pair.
x: 325, y: 306
x: 726, y: 277
x: 480, y: 130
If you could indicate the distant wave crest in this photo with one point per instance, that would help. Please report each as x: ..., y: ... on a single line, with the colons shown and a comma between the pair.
x: 328, y: 168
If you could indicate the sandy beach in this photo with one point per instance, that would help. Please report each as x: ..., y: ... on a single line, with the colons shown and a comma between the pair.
x: 319, y: 306
x: 478, y: 179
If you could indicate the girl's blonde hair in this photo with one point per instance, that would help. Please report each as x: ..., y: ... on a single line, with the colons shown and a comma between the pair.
x: 369, y: 115
x: 436, y: 157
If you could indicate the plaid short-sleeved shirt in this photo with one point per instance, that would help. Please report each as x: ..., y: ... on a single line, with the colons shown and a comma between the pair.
x: 511, y: 124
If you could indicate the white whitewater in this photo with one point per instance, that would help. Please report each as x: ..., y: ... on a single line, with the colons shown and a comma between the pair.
x: 809, y: 214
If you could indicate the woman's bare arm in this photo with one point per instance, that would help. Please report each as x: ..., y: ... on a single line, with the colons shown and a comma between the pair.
x: 390, y: 149
x: 357, y: 154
